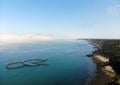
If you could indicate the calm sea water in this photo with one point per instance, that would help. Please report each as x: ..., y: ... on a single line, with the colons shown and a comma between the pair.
x: 68, y: 64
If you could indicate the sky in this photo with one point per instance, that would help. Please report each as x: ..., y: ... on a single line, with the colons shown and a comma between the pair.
x: 61, y: 19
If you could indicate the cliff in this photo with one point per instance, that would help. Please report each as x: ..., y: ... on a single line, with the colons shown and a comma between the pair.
x: 110, y: 49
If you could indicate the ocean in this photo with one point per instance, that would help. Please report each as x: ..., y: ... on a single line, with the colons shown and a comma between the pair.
x: 68, y: 63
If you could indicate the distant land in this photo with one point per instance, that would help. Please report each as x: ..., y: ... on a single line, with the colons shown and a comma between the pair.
x: 96, y: 39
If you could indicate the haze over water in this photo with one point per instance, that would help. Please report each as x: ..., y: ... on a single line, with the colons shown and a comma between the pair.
x: 68, y: 64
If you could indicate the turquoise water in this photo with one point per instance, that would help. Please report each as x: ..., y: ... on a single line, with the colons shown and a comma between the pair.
x: 68, y: 64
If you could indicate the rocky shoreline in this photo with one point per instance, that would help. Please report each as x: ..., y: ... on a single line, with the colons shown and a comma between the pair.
x: 105, y: 74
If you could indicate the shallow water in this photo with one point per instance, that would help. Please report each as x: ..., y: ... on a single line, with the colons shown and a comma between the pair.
x: 68, y: 64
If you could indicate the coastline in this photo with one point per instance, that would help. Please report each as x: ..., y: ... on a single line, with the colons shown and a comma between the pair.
x: 101, y: 77
x: 104, y: 74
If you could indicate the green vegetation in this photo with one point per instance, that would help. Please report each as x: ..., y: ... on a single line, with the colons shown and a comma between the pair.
x: 110, y: 49
x: 117, y: 80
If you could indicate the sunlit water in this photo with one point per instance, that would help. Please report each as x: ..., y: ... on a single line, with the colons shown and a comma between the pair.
x: 68, y: 64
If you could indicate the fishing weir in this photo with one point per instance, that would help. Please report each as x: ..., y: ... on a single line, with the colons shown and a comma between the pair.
x: 27, y: 62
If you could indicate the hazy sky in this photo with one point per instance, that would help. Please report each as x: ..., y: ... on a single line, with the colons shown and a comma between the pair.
x: 61, y: 18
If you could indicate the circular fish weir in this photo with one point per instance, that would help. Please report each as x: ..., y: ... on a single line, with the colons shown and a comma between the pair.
x: 28, y: 62
x: 34, y: 62
x: 18, y: 64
